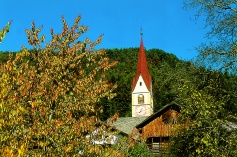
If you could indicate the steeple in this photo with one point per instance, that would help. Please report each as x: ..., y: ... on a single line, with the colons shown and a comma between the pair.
x: 142, y: 98
x: 142, y: 68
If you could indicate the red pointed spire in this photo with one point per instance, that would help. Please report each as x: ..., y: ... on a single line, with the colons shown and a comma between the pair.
x: 142, y: 68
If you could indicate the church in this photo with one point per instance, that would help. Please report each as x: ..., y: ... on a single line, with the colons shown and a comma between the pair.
x: 155, y: 126
x: 142, y: 98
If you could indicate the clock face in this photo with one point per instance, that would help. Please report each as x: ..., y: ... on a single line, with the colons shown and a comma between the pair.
x: 141, y: 110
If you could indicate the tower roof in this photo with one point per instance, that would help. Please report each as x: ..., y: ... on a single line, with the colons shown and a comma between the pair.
x: 142, y: 68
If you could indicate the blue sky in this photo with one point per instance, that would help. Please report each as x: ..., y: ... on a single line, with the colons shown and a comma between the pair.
x: 165, y: 24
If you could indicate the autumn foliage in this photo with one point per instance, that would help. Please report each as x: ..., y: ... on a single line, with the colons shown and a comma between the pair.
x: 48, y: 96
x: 4, y: 31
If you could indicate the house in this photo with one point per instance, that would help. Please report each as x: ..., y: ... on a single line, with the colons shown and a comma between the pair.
x: 156, y: 128
x: 159, y: 127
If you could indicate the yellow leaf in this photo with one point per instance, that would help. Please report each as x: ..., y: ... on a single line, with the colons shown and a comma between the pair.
x: 21, y: 151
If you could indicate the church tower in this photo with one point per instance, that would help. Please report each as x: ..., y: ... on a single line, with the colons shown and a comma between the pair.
x: 142, y: 99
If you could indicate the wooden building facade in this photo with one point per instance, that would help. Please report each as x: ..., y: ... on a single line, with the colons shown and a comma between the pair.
x: 159, y: 127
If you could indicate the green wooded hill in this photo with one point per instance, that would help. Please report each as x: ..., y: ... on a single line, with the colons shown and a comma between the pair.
x: 168, y: 75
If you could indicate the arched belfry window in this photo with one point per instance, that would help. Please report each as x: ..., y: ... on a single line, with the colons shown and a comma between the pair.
x: 140, y: 99
x: 140, y: 83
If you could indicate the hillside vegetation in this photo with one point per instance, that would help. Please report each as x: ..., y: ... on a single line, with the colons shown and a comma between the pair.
x: 168, y: 75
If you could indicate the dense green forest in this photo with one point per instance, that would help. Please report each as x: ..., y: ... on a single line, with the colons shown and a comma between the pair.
x: 168, y: 75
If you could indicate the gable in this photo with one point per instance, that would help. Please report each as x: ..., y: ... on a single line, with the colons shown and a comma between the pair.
x: 164, y: 109
x: 161, y: 123
x: 140, y: 86
x: 162, y: 126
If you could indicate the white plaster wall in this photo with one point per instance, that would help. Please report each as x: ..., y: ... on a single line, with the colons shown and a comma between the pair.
x: 139, y: 88
x: 147, y: 97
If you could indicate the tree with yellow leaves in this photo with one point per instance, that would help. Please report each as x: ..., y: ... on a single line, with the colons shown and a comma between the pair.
x: 48, y: 96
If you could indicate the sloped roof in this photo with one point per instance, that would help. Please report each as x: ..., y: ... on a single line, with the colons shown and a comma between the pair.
x: 142, y: 68
x: 127, y: 124
x: 165, y: 108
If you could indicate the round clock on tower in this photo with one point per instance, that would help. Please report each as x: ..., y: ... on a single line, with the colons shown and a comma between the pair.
x: 141, y: 110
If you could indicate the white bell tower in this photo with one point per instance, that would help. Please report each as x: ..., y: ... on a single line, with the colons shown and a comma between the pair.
x: 142, y: 99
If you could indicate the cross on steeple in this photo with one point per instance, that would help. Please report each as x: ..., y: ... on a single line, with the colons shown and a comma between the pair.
x: 141, y: 32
